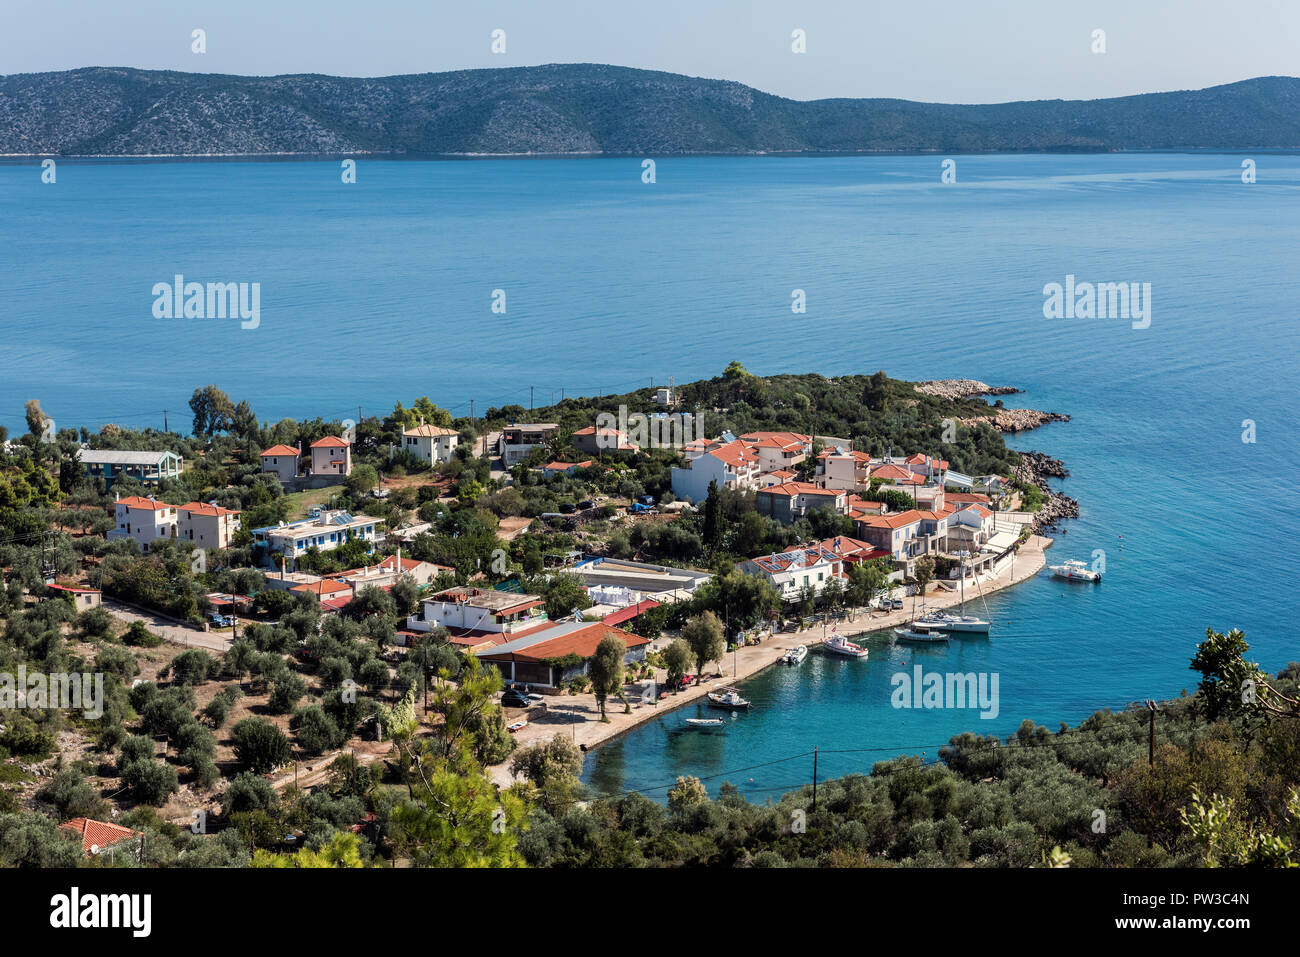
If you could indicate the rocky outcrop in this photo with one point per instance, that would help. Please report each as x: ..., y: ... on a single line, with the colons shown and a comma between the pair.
x: 962, y: 388
x: 1035, y: 468
x: 1016, y: 420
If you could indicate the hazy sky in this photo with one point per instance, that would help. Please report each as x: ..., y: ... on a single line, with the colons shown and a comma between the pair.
x: 941, y: 50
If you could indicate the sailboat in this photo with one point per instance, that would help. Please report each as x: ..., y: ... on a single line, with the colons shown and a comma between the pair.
x: 960, y: 622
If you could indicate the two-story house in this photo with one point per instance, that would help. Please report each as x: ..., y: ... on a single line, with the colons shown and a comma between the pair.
x: 145, y: 520
x: 282, y: 461
x: 433, y: 444
x: 733, y: 464
x: 331, y: 456
x: 206, y: 524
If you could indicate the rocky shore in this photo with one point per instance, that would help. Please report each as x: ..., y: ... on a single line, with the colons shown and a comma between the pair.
x: 1019, y: 420
x: 962, y: 388
x: 1035, y: 469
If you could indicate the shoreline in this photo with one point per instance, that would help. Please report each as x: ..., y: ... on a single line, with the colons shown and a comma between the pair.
x: 578, y: 716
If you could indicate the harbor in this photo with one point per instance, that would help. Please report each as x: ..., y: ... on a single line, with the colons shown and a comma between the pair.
x: 578, y: 716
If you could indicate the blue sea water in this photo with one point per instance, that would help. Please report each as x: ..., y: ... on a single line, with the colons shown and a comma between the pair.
x: 381, y: 291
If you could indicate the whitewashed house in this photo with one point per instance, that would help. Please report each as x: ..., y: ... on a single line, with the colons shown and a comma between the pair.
x: 434, y: 444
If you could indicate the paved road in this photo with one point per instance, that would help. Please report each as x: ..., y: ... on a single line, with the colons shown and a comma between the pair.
x: 177, y: 634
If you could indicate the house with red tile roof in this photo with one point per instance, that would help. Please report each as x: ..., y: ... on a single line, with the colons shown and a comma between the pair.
x: 282, y: 461
x: 146, y: 520
x: 331, y: 456
x: 81, y: 598
x: 732, y: 464
x: 98, y: 836
x: 844, y: 468
x: 593, y: 441
x: 206, y: 524
x: 565, y: 468
x: 326, y: 588
x: 778, y: 450
x: 388, y: 570
x: 552, y: 656
x: 791, y: 501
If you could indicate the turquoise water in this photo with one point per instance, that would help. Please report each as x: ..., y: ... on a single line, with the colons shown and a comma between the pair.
x: 381, y: 291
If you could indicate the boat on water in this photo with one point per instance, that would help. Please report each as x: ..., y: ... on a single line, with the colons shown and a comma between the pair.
x: 795, y: 656
x: 839, y: 645
x: 1074, y: 570
x: 945, y: 621
x: 919, y: 632
x: 705, y: 722
x: 727, y: 698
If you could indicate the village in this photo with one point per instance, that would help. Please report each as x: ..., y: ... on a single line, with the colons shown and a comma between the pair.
x: 781, y: 539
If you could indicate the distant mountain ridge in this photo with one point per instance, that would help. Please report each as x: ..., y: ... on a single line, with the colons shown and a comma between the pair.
x: 592, y: 108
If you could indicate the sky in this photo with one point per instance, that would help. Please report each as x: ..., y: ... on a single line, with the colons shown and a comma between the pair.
x: 954, y: 51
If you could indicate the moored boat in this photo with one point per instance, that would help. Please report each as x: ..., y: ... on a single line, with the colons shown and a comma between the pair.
x: 1074, y: 570
x: 795, y: 655
x: 944, y: 621
x: 919, y: 632
x: 727, y: 698
x: 705, y: 722
x: 839, y: 645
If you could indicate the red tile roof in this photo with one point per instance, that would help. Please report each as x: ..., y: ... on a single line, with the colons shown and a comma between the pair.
x: 203, y: 508
x: 581, y: 642
x: 329, y: 442
x: 136, y: 501
x: 323, y: 587
x: 98, y: 834
x: 630, y: 612
x: 910, y: 517
x: 281, y: 450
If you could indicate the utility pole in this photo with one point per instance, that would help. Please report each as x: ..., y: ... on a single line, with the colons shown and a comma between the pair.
x: 164, y: 420
x: 530, y: 398
x: 814, y: 800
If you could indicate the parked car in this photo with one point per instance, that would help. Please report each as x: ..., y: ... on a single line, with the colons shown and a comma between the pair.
x: 586, y: 504
x: 512, y: 698
x: 568, y: 508
x: 646, y: 500
x: 223, y: 621
x: 379, y: 492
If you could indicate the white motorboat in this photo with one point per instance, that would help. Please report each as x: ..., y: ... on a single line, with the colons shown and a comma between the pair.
x: 1074, y: 570
x: 705, y: 722
x: 727, y: 698
x: 919, y: 632
x: 795, y: 656
x: 839, y: 645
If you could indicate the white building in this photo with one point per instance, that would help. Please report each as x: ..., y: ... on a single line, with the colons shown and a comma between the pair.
x: 791, y: 571
x: 144, y: 519
x: 731, y: 464
x: 207, y: 525
x: 517, y: 440
x: 431, y: 443
x: 325, y: 532
x: 479, y: 611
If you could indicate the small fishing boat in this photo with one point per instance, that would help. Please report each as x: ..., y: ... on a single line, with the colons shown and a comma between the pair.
x: 727, y: 698
x: 795, y: 656
x: 839, y: 645
x: 705, y: 722
x: 1074, y: 570
x: 919, y: 632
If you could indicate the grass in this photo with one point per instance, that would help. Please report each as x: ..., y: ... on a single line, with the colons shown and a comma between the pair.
x: 300, y: 502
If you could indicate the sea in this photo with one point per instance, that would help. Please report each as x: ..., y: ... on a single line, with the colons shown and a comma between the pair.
x: 518, y: 281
